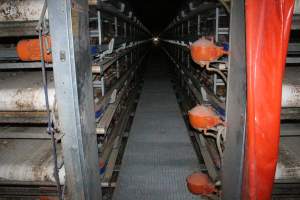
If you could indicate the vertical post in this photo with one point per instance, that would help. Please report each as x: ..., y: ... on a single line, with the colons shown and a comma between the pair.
x: 217, y: 25
x: 118, y: 69
x: 198, y: 25
x: 125, y: 30
x: 177, y: 54
x: 216, y: 39
x: 69, y: 28
x: 188, y: 61
x: 182, y: 56
x: 182, y: 29
x: 102, y: 85
x: 133, y: 32
x: 130, y: 31
x: 99, y: 28
x: 116, y: 26
x: 236, y: 105
x: 102, y: 80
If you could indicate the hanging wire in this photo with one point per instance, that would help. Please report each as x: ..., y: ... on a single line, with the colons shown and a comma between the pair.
x: 50, y: 129
x: 219, y: 137
x: 226, y: 6
x: 212, y: 69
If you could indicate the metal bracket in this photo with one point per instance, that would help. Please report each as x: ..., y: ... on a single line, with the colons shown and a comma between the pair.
x: 110, y: 49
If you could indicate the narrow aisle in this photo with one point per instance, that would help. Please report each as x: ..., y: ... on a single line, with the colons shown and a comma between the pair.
x: 159, y: 155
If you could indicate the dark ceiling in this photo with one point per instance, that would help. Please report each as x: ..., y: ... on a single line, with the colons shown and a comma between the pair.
x: 156, y: 14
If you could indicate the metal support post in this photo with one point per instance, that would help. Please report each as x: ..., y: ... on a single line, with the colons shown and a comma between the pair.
x: 99, y: 28
x: 102, y: 85
x: 215, y: 76
x: 188, y: 61
x: 198, y: 25
x: 102, y: 80
x: 118, y: 69
x: 130, y: 31
x: 116, y: 26
x: 126, y: 60
x: 69, y: 28
x: 182, y: 56
x: 125, y: 30
x: 236, y: 105
x: 182, y: 29
x: 217, y: 25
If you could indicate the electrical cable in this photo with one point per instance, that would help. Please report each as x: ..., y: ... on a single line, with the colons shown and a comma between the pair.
x: 219, y: 145
x: 226, y: 6
x: 50, y: 129
x: 218, y: 137
x: 217, y: 71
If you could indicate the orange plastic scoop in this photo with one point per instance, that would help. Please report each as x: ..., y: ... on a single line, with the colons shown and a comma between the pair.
x: 203, y: 117
x: 204, y: 51
x: 29, y: 50
x: 200, y: 184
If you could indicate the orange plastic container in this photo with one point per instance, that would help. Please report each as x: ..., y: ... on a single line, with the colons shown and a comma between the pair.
x: 204, y: 50
x: 203, y: 117
x: 200, y: 184
x: 29, y: 50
